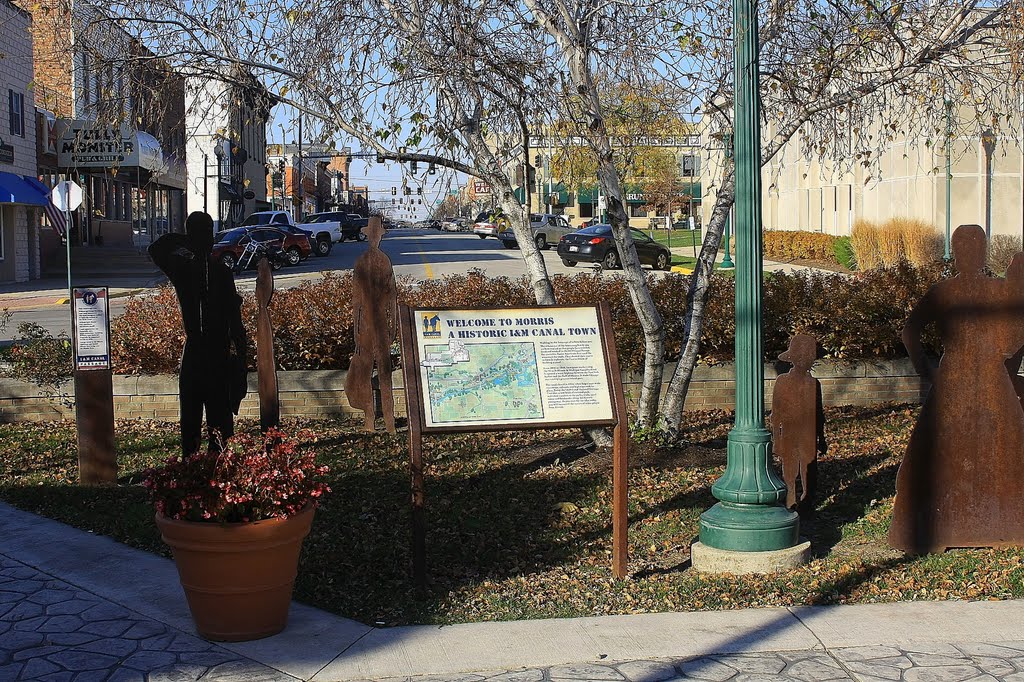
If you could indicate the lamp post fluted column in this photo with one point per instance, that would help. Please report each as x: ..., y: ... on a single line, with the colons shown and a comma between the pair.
x: 748, y: 523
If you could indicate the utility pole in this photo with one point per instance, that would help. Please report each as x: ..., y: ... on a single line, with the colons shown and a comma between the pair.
x: 302, y: 170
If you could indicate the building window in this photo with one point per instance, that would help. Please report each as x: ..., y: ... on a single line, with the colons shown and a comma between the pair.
x: 690, y: 166
x: 586, y: 209
x: 16, y: 109
x: 86, y: 76
x: 637, y: 211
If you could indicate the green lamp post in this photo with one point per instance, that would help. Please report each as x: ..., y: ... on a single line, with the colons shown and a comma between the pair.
x: 748, y: 530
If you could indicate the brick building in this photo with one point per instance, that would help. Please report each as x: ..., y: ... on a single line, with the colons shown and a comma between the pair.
x: 21, y: 196
x: 111, y: 119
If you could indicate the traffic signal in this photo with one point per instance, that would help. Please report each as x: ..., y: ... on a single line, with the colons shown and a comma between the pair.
x: 412, y: 167
x: 380, y: 158
x: 394, y: 191
x: 280, y: 166
x: 432, y: 169
x: 407, y: 190
x: 419, y: 190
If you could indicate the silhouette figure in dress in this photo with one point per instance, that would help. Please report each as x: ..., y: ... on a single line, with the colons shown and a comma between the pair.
x: 213, y: 361
x: 375, y: 324
x: 798, y: 422
x: 960, y: 482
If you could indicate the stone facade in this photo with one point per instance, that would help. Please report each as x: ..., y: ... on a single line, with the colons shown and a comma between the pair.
x: 317, y: 394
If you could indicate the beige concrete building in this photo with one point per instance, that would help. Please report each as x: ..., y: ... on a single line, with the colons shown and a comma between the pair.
x: 907, y: 180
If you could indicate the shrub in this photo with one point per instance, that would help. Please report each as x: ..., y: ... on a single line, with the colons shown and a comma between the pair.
x: 1001, y: 250
x: 891, y: 249
x: 786, y: 245
x: 843, y: 251
x: 864, y: 241
x: 38, y: 357
x: 852, y: 317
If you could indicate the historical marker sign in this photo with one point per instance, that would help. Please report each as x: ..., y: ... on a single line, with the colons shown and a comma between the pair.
x: 92, y: 328
x: 512, y: 367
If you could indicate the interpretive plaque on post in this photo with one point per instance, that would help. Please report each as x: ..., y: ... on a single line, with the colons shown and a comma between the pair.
x: 512, y: 368
x: 92, y: 328
x: 491, y: 368
x: 94, y: 390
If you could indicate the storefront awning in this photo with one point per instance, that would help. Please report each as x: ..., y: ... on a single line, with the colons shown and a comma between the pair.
x: 17, y: 189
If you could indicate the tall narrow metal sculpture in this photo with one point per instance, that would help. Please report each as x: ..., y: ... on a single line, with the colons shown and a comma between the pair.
x: 961, y: 479
x: 798, y: 422
x: 266, y: 368
x: 375, y: 325
x: 213, y: 361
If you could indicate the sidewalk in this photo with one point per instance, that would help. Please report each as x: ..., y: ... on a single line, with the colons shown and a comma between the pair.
x: 77, y: 607
x: 767, y: 265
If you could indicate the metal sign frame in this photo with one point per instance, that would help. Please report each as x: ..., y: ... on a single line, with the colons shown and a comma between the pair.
x: 415, y: 409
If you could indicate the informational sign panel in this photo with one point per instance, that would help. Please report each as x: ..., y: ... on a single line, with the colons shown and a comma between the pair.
x: 91, y: 328
x: 512, y: 367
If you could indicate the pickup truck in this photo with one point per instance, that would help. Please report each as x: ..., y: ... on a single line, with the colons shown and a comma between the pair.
x: 321, y: 236
x: 547, y: 229
x: 341, y: 226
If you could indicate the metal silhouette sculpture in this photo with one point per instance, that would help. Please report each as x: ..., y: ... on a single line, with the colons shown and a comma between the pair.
x: 266, y: 367
x: 375, y: 325
x: 961, y: 479
x: 798, y: 422
x: 213, y: 375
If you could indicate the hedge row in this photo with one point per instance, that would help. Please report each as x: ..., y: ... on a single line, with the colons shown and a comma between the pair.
x: 852, y: 317
x: 786, y: 245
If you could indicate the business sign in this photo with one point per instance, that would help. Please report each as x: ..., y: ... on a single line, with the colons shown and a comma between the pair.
x: 91, y: 327
x: 6, y: 152
x: 87, y: 144
x: 512, y: 367
x: 481, y: 187
x: 558, y: 142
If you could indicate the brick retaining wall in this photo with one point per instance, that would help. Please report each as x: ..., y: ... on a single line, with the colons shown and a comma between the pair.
x: 321, y: 393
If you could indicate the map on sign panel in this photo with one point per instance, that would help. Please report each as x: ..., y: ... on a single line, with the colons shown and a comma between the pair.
x: 485, y: 381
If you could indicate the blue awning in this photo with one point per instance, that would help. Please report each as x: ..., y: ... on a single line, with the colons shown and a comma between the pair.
x: 17, y: 189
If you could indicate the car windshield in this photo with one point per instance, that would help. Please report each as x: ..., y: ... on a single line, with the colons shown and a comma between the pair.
x: 484, y: 217
x: 319, y: 218
x: 258, y: 219
x: 536, y: 217
x: 230, y: 237
x: 596, y: 230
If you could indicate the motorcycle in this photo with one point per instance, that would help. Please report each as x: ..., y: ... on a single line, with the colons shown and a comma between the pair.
x: 255, y: 250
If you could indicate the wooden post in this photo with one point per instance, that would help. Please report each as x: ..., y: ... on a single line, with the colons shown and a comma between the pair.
x: 94, y: 389
x: 620, y: 454
x: 411, y: 376
x: 266, y: 368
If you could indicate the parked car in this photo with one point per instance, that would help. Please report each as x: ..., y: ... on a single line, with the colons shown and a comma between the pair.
x: 321, y: 236
x: 339, y: 226
x: 596, y: 244
x: 488, y: 224
x: 547, y: 229
x: 231, y: 243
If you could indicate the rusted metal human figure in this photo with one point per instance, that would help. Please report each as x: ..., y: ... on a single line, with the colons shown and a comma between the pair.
x: 266, y: 368
x: 375, y: 324
x: 798, y: 422
x: 960, y: 482
x: 213, y: 360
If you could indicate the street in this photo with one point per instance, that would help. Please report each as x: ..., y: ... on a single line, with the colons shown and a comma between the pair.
x: 418, y: 254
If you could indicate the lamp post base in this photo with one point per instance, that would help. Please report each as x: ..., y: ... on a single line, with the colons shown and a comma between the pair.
x: 707, y: 559
x: 738, y: 527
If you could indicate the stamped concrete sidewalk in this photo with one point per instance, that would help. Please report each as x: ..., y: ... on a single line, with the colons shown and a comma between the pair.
x: 76, y: 607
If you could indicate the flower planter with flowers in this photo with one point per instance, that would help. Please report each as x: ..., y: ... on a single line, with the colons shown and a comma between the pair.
x: 235, y: 520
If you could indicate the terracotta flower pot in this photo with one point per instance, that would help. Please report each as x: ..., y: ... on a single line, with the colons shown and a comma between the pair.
x: 238, y: 577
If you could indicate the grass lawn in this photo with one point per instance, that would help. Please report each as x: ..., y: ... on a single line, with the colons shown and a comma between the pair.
x: 519, y: 523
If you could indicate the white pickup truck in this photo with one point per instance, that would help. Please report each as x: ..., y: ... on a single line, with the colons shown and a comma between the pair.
x: 321, y: 236
x: 341, y: 226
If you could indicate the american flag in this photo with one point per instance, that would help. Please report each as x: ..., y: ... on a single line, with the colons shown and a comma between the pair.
x: 56, y: 218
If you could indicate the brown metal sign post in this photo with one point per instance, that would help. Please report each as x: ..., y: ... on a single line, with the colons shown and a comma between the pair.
x: 523, y: 368
x: 94, y: 389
